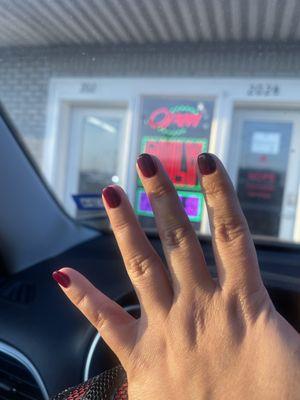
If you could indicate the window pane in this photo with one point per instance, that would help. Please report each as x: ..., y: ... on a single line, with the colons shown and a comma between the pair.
x: 93, y: 160
x: 175, y: 130
x: 99, y: 153
x: 262, y: 173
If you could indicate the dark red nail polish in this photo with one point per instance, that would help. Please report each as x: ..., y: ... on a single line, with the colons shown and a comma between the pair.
x: 207, y: 164
x: 111, y: 196
x: 61, y: 278
x: 147, y: 165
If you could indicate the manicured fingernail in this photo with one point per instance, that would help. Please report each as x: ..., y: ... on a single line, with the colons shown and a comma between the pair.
x: 111, y: 196
x: 61, y: 278
x: 147, y: 165
x: 207, y: 164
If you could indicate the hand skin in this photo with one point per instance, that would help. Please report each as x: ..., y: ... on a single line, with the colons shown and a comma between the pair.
x: 197, y: 338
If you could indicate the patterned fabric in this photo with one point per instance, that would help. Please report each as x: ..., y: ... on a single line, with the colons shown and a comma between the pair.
x: 122, y: 392
x: 110, y: 385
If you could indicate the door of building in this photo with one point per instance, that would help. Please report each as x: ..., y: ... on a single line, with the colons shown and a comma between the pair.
x: 95, y: 156
x: 265, y: 165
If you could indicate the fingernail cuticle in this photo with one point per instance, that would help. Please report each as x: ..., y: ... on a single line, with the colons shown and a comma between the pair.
x: 207, y: 164
x: 147, y: 165
x: 111, y: 196
x: 61, y: 278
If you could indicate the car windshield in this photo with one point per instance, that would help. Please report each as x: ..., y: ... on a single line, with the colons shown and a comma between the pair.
x: 91, y: 84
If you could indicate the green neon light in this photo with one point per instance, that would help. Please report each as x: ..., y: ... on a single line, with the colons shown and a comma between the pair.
x: 196, y: 218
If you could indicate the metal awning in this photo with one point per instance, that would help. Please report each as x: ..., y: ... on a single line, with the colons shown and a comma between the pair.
x: 62, y: 22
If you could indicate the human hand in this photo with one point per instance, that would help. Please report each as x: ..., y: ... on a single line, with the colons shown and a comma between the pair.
x: 197, y: 338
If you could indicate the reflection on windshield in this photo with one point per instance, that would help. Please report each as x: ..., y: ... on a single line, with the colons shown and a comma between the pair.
x: 90, y: 85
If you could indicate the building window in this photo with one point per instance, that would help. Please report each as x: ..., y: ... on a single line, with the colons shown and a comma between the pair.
x: 265, y: 146
x: 93, y: 160
x: 175, y: 130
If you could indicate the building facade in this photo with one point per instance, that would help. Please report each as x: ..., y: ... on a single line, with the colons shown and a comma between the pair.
x: 87, y: 110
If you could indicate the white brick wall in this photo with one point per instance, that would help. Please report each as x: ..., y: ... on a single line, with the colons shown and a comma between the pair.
x: 25, y: 73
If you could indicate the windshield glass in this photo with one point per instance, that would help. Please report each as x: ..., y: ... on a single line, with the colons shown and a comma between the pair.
x: 91, y: 84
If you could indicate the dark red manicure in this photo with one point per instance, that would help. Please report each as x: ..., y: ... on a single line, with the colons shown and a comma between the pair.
x: 147, y: 165
x: 61, y: 278
x: 111, y: 196
x: 207, y: 164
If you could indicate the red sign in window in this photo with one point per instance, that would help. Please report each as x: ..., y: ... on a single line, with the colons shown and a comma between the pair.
x: 179, y: 157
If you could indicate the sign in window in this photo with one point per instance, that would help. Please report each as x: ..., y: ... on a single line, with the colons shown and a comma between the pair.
x: 175, y: 130
x: 263, y: 159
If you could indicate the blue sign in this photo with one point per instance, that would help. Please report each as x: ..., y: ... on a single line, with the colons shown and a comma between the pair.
x: 88, y: 202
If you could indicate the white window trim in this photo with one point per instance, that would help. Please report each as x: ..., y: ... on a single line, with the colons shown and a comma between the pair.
x: 227, y: 93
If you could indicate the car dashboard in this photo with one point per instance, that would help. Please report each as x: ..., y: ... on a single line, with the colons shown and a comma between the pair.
x: 47, y: 343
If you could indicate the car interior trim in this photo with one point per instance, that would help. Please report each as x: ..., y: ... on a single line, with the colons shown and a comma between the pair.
x: 20, y: 357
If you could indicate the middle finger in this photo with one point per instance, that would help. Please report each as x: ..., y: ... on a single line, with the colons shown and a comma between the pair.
x: 180, y: 243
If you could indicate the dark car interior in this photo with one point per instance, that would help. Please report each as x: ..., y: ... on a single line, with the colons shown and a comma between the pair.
x: 46, y: 345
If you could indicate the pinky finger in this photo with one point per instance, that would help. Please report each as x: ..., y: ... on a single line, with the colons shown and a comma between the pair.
x: 111, y: 320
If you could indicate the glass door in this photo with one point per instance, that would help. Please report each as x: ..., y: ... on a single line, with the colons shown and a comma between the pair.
x: 175, y: 129
x: 265, y: 165
x: 95, y: 158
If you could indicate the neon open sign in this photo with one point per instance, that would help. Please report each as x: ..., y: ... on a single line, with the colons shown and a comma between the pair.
x: 176, y: 130
x: 163, y: 117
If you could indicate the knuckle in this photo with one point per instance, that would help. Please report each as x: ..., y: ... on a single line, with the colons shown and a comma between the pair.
x: 139, y: 266
x: 246, y: 307
x: 99, y: 321
x: 161, y: 190
x: 230, y: 231
x: 216, y: 188
x: 176, y: 236
x: 121, y: 226
x: 254, y: 303
x: 81, y: 300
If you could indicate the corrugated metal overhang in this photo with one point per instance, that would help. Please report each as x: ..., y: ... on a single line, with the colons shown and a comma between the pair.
x: 67, y: 22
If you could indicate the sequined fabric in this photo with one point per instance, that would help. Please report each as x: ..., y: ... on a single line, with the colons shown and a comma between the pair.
x: 110, y: 385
